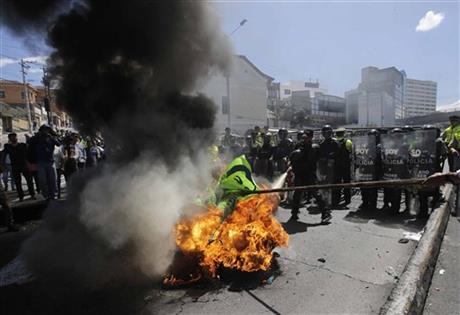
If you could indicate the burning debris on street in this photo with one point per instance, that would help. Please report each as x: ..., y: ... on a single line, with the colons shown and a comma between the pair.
x: 244, y: 241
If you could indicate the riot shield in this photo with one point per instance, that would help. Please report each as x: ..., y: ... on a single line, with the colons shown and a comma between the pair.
x: 422, y: 153
x: 395, y: 156
x: 364, y: 158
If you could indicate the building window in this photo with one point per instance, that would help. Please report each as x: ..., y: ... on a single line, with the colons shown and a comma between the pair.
x: 23, y: 95
x: 287, y: 92
x: 2, y: 94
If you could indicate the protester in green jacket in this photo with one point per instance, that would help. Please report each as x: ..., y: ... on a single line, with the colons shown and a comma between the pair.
x: 234, y: 184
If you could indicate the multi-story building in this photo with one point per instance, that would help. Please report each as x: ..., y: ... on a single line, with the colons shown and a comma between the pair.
x: 13, y: 108
x: 419, y: 97
x: 379, y: 97
x: 248, y: 88
x: 14, y: 111
x: 287, y: 88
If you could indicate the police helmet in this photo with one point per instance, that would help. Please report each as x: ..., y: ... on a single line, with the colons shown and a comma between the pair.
x: 431, y: 127
x: 373, y: 132
x: 326, y: 128
x: 428, y: 127
x: 397, y: 130
x: 407, y: 128
x: 308, y: 132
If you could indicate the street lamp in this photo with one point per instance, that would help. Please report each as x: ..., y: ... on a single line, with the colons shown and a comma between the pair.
x: 227, y: 78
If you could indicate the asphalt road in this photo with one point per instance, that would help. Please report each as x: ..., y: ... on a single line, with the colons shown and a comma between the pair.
x: 444, y: 293
x: 346, y: 267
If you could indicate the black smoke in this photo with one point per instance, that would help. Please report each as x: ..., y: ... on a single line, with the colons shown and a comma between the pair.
x: 128, y: 69
x: 123, y: 67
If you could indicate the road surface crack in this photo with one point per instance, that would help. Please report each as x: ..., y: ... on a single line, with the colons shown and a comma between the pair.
x: 328, y: 269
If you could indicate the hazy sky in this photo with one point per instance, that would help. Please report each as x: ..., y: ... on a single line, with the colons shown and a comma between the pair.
x: 328, y: 41
x: 332, y: 41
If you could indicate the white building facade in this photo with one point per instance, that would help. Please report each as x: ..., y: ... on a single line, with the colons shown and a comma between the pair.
x: 247, y: 87
x: 419, y: 97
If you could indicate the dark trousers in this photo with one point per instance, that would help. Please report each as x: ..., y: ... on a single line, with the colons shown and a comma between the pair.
x: 304, y: 181
x: 342, y: 175
x: 6, y: 208
x: 34, y: 175
x: 18, y: 181
x: 394, y: 199
x: 423, y: 198
x: 369, y: 197
x: 59, y: 173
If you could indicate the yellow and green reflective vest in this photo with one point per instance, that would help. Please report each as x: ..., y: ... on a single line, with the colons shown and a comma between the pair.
x: 452, y: 136
x: 233, y: 184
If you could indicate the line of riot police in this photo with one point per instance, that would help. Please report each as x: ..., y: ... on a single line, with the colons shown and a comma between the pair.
x: 359, y: 155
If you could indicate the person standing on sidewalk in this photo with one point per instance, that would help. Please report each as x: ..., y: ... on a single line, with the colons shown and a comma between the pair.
x: 7, y: 171
x: 19, y: 166
x: 6, y: 208
x: 44, y: 143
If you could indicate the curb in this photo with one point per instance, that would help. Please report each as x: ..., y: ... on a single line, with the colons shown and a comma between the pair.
x: 408, y: 296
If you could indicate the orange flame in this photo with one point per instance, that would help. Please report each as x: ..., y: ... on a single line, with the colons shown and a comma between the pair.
x: 244, y: 241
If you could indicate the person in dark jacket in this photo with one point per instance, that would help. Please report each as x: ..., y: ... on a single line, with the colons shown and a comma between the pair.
x: 264, y: 163
x: 6, y: 208
x: 44, y: 143
x: 19, y: 165
x: 328, y: 154
x: 343, y: 166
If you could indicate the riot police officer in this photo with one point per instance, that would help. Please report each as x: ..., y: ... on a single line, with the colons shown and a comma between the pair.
x: 395, y: 155
x: 282, y: 151
x: 303, y: 162
x: 430, y: 163
x: 343, y: 165
x: 328, y: 153
x: 368, y: 168
x: 411, y: 142
x: 264, y: 162
x: 298, y: 142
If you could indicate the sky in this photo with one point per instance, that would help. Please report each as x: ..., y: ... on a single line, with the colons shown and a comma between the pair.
x: 332, y: 41
x: 326, y: 40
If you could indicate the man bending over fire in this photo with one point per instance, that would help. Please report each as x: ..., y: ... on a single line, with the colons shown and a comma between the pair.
x: 233, y: 185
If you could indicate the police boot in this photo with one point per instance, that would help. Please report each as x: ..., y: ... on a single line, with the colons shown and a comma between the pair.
x: 326, y: 216
x: 294, y: 216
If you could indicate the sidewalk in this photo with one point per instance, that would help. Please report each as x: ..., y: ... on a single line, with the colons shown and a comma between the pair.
x: 444, y: 294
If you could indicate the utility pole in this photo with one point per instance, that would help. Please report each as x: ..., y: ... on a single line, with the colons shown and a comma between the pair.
x: 229, y: 119
x: 24, y: 67
x: 47, y: 99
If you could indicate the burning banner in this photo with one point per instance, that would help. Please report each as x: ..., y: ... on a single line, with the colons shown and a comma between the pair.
x: 243, y: 241
x: 235, y: 232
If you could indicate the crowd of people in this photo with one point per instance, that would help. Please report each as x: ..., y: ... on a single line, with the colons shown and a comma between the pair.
x: 330, y: 156
x: 41, y: 161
